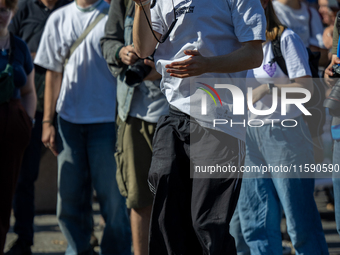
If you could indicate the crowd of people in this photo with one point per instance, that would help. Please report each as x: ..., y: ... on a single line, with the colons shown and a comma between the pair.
x: 110, y: 87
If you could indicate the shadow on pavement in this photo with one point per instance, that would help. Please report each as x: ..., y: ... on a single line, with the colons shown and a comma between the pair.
x: 47, y: 228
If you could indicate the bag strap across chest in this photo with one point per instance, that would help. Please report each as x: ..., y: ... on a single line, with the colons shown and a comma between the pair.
x: 85, y: 33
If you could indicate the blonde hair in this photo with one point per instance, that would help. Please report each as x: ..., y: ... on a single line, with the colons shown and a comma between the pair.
x: 274, y: 26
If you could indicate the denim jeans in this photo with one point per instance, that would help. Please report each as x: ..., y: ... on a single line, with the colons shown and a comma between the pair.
x: 86, y: 159
x: 336, y: 183
x: 262, y: 199
x: 236, y: 231
x: 23, y: 202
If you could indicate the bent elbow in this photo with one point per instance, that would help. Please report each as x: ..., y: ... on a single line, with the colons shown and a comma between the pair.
x: 143, y: 53
x: 138, y: 51
x: 257, y: 59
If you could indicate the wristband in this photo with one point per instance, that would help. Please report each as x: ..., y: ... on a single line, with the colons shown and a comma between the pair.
x: 117, y: 54
x: 270, y: 86
x: 143, y: 3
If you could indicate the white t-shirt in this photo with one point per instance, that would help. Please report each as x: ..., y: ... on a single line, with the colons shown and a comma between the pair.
x: 213, y: 28
x: 298, y: 21
x: 296, y: 58
x: 88, y: 90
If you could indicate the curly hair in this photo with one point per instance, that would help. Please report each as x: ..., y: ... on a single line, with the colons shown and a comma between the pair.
x: 11, y: 4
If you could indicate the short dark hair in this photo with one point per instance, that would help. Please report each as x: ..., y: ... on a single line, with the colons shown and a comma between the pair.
x: 11, y: 4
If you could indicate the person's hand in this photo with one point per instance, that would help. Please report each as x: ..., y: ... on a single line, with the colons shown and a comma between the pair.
x: 153, y: 75
x: 328, y: 72
x: 48, y: 137
x: 193, y: 66
x: 128, y: 55
x: 259, y: 93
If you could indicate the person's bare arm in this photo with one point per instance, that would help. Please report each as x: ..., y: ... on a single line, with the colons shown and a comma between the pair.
x: 249, y: 56
x: 52, y: 89
x: 327, y: 37
x: 28, y: 95
x: 143, y: 39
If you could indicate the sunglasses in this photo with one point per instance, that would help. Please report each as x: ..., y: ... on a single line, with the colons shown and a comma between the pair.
x: 166, y: 35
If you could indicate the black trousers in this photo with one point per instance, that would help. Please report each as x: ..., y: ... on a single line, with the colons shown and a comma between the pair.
x: 15, y: 132
x: 23, y: 201
x: 191, y: 216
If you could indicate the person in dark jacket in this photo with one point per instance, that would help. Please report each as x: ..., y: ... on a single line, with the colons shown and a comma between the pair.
x: 28, y: 23
x: 17, y: 108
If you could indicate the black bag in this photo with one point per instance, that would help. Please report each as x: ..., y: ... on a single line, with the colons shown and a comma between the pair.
x: 6, y: 76
x: 317, y: 120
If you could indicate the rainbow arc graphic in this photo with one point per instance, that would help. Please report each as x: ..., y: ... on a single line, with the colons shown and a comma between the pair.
x: 209, y: 93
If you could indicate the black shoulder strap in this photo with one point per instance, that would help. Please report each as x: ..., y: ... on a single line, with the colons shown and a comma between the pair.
x: 278, y: 58
x: 12, y: 48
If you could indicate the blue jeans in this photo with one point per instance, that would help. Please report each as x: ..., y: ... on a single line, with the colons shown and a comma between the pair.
x: 236, y: 231
x: 262, y: 199
x: 23, y: 202
x: 336, y: 183
x: 86, y: 158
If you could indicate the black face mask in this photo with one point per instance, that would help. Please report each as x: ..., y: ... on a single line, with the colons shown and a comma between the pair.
x: 6, y: 76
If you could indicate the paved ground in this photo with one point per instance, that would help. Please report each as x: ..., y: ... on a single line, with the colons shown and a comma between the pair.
x: 49, y: 240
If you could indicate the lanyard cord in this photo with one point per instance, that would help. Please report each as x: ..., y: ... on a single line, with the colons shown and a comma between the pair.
x: 171, y: 26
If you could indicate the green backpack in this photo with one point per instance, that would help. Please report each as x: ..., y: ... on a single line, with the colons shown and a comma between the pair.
x: 6, y: 76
